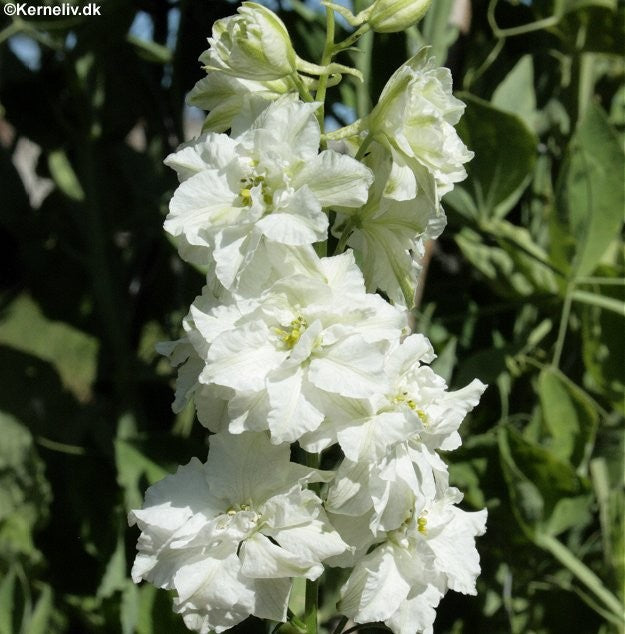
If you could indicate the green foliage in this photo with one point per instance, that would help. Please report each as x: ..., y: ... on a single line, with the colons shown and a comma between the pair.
x: 525, y: 290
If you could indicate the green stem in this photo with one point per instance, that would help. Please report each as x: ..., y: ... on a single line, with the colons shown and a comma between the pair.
x: 352, y: 39
x: 343, y: 133
x: 581, y: 571
x: 564, y: 321
x: 312, y: 587
x: 304, y: 93
x: 538, y: 25
x: 364, y: 147
x: 341, y: 624
x: 326, y: 58
x: 347, y: 231
x: 363, y: 64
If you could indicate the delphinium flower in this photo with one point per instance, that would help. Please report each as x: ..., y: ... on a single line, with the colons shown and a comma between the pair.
x: 388, y: 235
x: 405, y: 574
x: 414, y: 120
x: 266, y: 182
x: 316, y: 331
x: 229, y: 535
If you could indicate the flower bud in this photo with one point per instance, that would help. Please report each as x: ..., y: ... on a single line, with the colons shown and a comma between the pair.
x: 252, y: 45
x: 414, y: 119
x: 389, y: 16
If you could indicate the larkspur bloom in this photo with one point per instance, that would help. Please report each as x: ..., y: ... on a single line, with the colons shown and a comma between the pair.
x: 414, y: 120
x: 226, y: 97
x: 228, y: 535
x: 388, y: 235
x: 412, y: 404
x: 251, y: 45
x: 403, y: 578
x: 308, y: 333
x: 266, y: 182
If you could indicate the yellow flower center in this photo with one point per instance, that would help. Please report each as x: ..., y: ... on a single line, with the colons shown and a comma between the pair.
x: 422, y: 524
x: 292, y: 336
x: 245, y: 193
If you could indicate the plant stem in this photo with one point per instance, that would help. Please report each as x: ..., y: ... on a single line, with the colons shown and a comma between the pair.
x: 341, y: 624
x: 326, y: 58
x: 347, y: 231
x: 312, y: 587
x: 364, y: 147
x: 581, y: 571
x: 351, y: 39
x: 564, y: 321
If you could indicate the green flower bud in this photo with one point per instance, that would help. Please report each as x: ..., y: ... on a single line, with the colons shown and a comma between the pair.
x: 251, y: 45
x: 385, y: 16
x: 389, y: 16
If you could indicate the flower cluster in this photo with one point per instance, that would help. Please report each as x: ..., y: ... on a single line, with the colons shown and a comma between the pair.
x: 285, y: 346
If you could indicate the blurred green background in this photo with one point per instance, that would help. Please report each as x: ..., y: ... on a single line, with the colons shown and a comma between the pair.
x: 524, y: 290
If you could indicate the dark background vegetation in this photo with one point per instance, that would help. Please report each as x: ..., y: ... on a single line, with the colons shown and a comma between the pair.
x: 524, y: 290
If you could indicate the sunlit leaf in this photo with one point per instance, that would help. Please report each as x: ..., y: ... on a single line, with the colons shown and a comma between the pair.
x: 590, y: 193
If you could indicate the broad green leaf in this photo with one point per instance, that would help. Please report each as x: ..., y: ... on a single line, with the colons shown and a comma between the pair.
x: 134, y: 470
x: 516, y: 94
x: 64, y: 175
x: 114, y: 577
x: 39, y: 622
x: 602, y: 337
x: 515, y: 267
x: 7, y: 586
x: 72, y: 352
x: 445, y: 362
x: 24, y: 491
x: 546, y: 493
x: 569, y: 415
x: 590, y: 195
x: 505, y: 153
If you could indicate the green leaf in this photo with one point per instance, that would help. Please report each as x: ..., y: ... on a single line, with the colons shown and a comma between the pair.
x: 7, y: 586
x: 590, y: 196
x: 445, y: 362
x: 64, y: 175
x: 150, y: 51
x: 40, y: 619
x: 546, y: 493
x: 505, y: 153
x: 569, y: 415
x: 133, y: 469
x: 72, y: 352
x: 114, y: 577
x: 607, y: 303
x: 603, y: 350
x: 516, y: 94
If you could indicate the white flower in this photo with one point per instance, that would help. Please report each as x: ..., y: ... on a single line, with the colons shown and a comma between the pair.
x: 267, y: 182
x: 389, y: 235
x: 307, y: 333
x: 229, y: 535
x: 253, y: 45
x: 386, y: 490
x: 411, y: 405
x: 414, y: 119
x: 226, y: 96
x: 402, y: 580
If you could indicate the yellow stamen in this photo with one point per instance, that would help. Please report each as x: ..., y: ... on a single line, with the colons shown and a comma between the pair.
x: 422, y: 524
